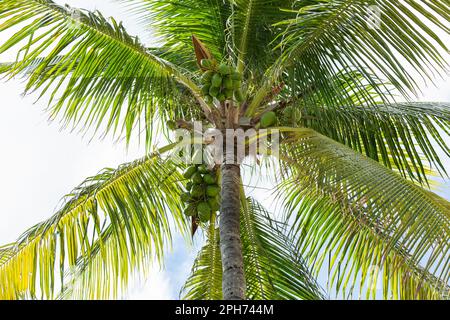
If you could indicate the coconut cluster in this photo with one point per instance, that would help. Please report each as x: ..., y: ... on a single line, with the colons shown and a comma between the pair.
x: 202, y: 192
x: 222, y: 82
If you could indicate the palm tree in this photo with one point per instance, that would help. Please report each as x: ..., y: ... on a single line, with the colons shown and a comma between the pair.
x: 353, y: 175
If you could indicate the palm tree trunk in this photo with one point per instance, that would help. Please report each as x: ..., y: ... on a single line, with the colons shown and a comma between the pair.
x: 233, y: 281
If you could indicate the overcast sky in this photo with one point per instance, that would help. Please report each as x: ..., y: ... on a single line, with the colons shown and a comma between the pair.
x: 40, y: 163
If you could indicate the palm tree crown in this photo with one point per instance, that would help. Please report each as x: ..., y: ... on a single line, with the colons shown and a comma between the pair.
x: 353, y: 169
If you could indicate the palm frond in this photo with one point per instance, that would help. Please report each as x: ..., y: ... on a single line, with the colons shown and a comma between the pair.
x: 327, y: 37
x: 358, y: 259
x: 273, y: 269
x: 175, y: 21
x: 205, y: 280
x: 398, y: 221
x: 252, y: 22
x: 96, y: 74
x: 6, y: 252
x: 110, y: 225
x: 405, y: 136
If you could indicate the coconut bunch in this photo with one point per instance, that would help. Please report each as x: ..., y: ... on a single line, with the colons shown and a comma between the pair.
x: 202, y: 193
x: 222, y: 81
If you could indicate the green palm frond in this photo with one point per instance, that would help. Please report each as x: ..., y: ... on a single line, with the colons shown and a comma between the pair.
x: 110, y: 223
x: 273, y: 269
x: 252, y: 25
x: 96, y: 74
x: 405, y: 136
x: 205, y: 280
x: 175, y: 21
x: 242, y: 29
x: 408, y: 225
x: 349, y: 87
x: 106, y: 269
x: 358, y: 259
x: 6, y: 252
x: 327, y: 37
x: 33, y: 66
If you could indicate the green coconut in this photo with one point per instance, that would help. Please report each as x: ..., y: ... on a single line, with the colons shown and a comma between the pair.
x: 212, y: 190
x: 185, y: 197
x: 197, y: 191
x: 197, y: 178
x: 229, y: 93
x: 216, y: 80
x: 214, y: 204
x: 221, y: 97
x: 268, y: 119
x: 228, y: 83
x: 189, y: 185
x: 236, y: 76
x: 225, y: 69
x: 190, y: 172
x: 191, y: 210
x: 214, y: 92
x: 209, y: 179
x: 204, y: 211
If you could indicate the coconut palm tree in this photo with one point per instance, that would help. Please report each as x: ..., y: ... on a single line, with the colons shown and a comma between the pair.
x: 353, y: 172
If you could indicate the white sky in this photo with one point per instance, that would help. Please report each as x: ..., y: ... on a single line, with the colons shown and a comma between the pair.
x: 40, y: 164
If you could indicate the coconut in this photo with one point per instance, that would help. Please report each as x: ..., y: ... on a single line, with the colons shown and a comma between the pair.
x: 191, y: 210
x: 224, y: 69
x: 197, y: 178
x: 237, y: 84
x: 229, y: 93
x: 214, y: 91
x: 216, y: 80
x: 228, y: 83
x: 190, y: 172
x: 214, y: 204
x: 185, y: 197
x: 197, y: 191
x: 221, y: 97
x: 268, y: 119
x: 204, y: 211
x: 212, y: 190
x: 209, y: 179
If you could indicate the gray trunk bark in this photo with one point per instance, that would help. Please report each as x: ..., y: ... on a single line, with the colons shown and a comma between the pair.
x: 233, y: 282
